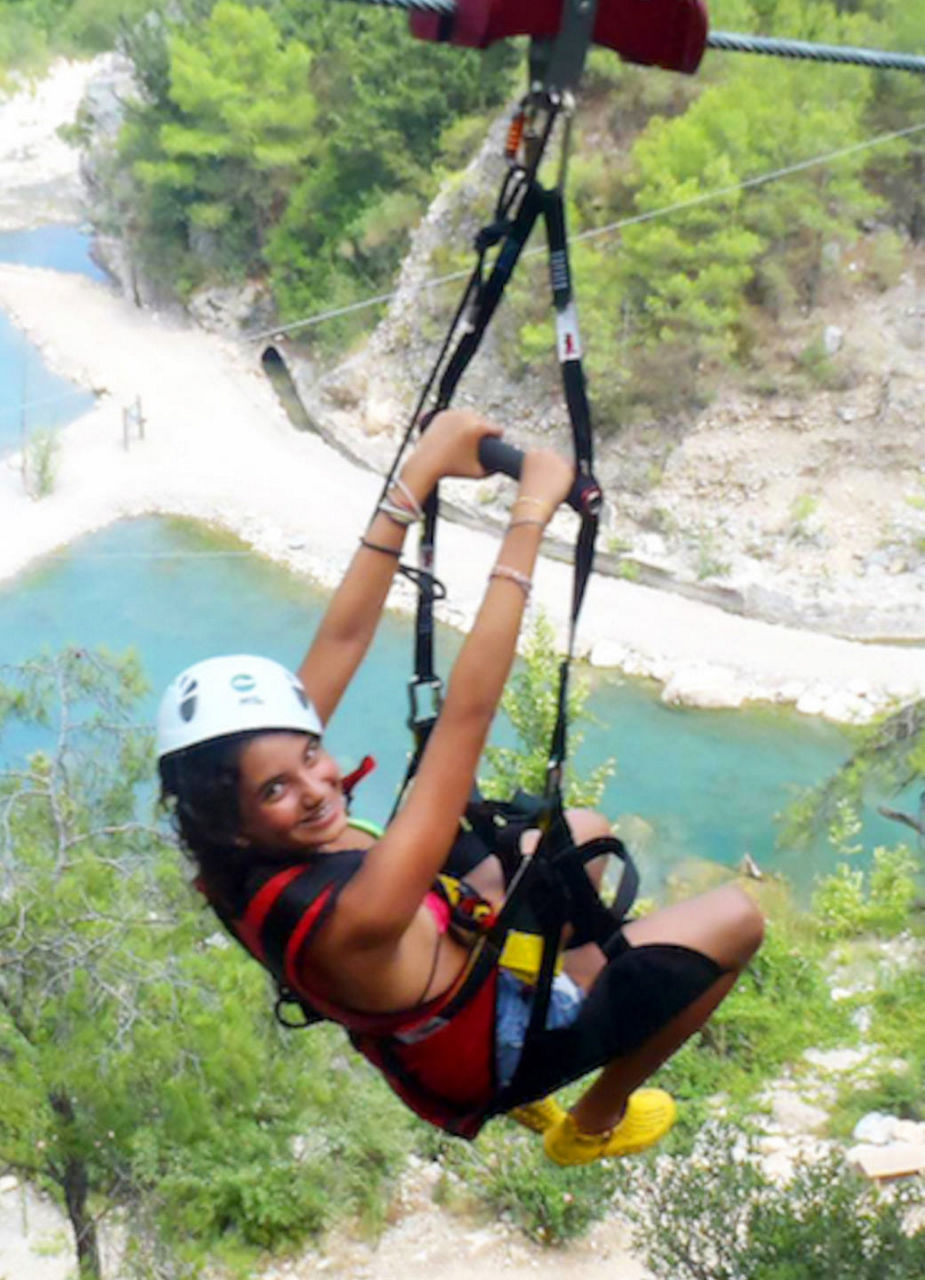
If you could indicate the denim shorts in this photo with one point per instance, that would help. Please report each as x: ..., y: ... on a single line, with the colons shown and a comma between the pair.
x: 512, y: 1017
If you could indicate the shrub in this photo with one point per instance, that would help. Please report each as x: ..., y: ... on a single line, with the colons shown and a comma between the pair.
x: 511, y: 1177
x: 892, y: 1092
x: 851, y: 902
x: 39, y: 463
x: 718, y: 1217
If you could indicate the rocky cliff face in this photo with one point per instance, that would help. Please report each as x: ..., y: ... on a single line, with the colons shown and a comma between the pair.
x: 803, y: 507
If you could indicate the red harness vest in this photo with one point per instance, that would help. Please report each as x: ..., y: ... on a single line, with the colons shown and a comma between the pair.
x: 438, y: 1057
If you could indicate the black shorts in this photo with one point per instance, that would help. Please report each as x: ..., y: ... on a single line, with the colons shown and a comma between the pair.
x: 637, y: 994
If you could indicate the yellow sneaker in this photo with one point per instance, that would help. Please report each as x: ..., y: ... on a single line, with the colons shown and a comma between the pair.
x: 540, y: 1115
x: 649, y: 1115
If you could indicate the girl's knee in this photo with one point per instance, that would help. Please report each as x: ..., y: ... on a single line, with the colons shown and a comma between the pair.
x: 725, y: 924
x: 744, y: 921
x: 587, y: 824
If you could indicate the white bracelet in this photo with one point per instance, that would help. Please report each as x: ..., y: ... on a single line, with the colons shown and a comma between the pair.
x: 536, y: 503
x: 397, y: 514
x: 412, y: 500
x: 513, y: 575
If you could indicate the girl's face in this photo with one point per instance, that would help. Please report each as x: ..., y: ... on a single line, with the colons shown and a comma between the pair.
x: 290, y: 795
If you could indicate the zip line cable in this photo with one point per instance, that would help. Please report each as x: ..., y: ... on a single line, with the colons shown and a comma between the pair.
x: 594, y: 233
x: 805, y: 50
x: 9, y: 411
x: 154, y: 555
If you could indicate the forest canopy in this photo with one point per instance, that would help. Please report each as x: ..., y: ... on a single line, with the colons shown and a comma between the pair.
x: 274, y: 142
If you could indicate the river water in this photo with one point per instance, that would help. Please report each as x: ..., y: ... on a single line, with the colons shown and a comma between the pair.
x: 698, y: 784
x: 689, y: 784
x: 32, y: 397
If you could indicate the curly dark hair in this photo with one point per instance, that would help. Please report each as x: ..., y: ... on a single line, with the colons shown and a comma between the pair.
x: 199, y: 787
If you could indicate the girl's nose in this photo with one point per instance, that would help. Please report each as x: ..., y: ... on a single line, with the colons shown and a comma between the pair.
x: 312, y: 787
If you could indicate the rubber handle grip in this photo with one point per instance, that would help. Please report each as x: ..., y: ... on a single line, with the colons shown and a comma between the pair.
x: 496, y: 455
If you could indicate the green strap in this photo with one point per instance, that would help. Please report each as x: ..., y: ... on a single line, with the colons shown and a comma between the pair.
x: 362, y: 824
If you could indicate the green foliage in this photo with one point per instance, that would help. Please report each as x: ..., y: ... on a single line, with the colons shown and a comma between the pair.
x: 718, y: 1217
x: 706, y: 237
x: 141, y: 1062
x: 820, y: 369
x: 851, y: 902
x: 899, y: 169
x: 892, y: 1092
x: 511, y: 1177
x: 93, y: 26
x: 886, y: 259
x: 898, y: 1021
x: 529, y: 703
x: 39, y: 463
x: 780, y: 1006
x: 23, y: 44
x: 277, y: 140
x: 709, y: 564
x: 236, y: 132
x: 888, y: 755
x: 32, y: 30
x: 845, y: 827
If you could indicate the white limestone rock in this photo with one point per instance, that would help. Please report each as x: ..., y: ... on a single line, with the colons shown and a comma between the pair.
x: 704, y: 686
x: 874, y: 1129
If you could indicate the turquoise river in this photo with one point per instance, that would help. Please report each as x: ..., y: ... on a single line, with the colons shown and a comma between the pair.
x: 697, y: 784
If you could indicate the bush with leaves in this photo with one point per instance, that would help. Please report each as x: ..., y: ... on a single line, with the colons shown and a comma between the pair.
x: 529, y: 703
x: 851, y: 901
x: 141, y: 1062
x: 512, y: 1178
x: 275, y: 141
x: 717, y: 1216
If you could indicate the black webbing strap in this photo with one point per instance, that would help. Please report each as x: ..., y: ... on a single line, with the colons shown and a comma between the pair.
x: 483, y: 297
x: 523, y: 194
x: 513, y: 233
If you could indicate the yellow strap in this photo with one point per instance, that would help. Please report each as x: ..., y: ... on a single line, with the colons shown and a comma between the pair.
x: 522, y: 955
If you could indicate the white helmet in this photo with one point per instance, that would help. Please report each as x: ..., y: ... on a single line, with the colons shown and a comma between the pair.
x: 232, y: 694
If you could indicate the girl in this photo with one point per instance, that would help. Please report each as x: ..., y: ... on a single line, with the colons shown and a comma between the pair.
x: 350, y: 922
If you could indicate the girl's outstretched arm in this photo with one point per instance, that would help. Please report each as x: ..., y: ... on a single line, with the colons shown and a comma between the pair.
x: 380, y: 901
x: 448, y: 447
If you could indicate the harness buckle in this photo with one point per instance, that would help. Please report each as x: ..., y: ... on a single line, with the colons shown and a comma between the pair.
x: 418, y: 689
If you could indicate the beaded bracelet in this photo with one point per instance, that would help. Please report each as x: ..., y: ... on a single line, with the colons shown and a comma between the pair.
x: 513, y: 575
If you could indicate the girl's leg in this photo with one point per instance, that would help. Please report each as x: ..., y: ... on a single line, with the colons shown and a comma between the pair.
x: 725, y: 925
x: 582, y: 964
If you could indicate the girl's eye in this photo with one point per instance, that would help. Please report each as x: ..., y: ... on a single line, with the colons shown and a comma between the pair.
x: 273, y: 790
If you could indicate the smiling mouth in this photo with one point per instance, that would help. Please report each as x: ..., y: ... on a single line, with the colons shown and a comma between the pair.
x: 319, y: 816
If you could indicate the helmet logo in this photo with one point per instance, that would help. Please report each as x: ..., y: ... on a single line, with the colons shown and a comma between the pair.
x: 243, y: 683
x: 188, y: 700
